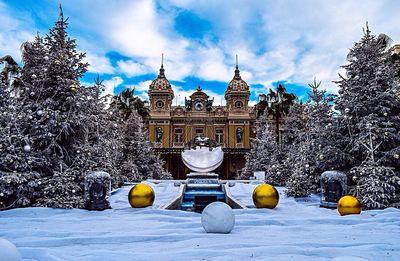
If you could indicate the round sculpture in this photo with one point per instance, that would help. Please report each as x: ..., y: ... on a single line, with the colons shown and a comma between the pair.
x: 141, y: 195
x: 218, y: 217
x: 348, y: 205
x: 203, y: 159
x: 8, y: 251
x: 265, y: 196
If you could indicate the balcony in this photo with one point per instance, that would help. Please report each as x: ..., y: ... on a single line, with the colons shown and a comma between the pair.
x: 158, y: 145
x: 178, y: 144
x: 239, y: 145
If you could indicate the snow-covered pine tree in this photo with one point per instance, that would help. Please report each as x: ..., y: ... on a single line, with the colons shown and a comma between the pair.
x: 264, y: 155
x: 369, y: 102
x: 368, y: 96
x: 377, y: 185
x: 57, y: 103
x: 295, y: 125
x: 138, y: 152
x: 17, y: 181
x: 304, y: 175
x: 310, y: 143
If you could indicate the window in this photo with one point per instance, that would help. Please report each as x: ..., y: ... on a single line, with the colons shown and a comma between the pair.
x: 178, y: 135
x: 199, y: 132
x: 239, y: 135
x: 238, y: 104
x: 159, y: 134
x: 219, y: 135
x: 159, y: 104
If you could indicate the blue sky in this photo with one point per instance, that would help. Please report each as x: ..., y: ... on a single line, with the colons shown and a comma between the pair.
x: 290, y: 41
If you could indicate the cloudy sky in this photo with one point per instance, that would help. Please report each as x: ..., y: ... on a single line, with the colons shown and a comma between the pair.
x: 289, y: 41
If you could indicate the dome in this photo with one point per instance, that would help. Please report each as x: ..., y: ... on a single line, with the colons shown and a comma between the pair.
x: 237, y: 83
x: 161, y: 83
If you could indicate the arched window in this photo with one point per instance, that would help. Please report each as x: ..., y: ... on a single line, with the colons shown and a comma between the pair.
x: 239, y: 135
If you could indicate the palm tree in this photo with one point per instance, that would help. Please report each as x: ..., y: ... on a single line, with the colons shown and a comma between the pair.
x: 126, y: 102
x: 279, y: 104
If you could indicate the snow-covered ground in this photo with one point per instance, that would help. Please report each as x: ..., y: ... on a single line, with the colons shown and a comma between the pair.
x: 295, y: 230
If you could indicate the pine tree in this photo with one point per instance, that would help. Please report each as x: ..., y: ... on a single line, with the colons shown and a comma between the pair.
x: 311, y: 143
x: 17, y: 189
x: 369, y: 109
x: 263, y: 155
x: 138, y: 152
x: 295, y: 125
x: 304, y: 176
x: 368, y: 96
x: 378, y: 186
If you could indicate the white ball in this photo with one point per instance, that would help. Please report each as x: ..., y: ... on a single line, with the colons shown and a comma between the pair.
x: 218, y: 217
x: 9, y: 251
x: 27, y: 148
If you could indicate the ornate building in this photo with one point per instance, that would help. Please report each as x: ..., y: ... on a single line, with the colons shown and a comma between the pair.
x: 170, y: 127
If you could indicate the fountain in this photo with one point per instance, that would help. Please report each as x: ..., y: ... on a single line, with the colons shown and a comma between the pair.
x: 202, y: 187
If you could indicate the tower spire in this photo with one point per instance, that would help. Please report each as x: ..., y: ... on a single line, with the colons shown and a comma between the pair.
x: 237, y: 72
x: 237, y: 64
x: 162, y: 66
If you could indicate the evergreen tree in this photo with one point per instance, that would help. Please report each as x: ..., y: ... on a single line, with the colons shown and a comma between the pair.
x: 295, y: 125
x: 304, y: 176
x: 140, y: 162
x: 17, y: 186
x: 369, y: 109
x: 368, y: 96
x: 263, y: 153
x: 310, y: 143
x: 378, y: 186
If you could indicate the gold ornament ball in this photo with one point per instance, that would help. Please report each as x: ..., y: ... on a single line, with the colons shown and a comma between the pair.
x: 265, y: 196
x: 348, y: 205
x: 141, y: 195
x: 72, y: 88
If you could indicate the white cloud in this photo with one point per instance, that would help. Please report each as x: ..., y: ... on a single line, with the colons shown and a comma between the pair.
x: 12, y: 33
x: 143, y: 96
x: 131, y: 68
x: 98, y: 63
x: 111, y: 84
x: 309, y: 39
x: 143, y: 86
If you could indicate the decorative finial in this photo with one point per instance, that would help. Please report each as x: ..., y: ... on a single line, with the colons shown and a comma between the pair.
x: 162, y: 66
x: 198, y: 88
x: 237, y: 72
x: 237, y: 63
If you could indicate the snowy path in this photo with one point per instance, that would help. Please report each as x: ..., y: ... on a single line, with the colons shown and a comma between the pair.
x: 295, y: 230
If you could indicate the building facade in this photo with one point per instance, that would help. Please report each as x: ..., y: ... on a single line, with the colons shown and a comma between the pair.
x: 170, y: 127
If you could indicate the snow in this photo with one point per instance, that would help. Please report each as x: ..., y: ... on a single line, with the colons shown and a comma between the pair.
x: 9, y: 251
x: 294, y: 230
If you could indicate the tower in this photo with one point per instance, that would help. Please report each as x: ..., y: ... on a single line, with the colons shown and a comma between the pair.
x: 237, y: 99
x: 237, y: 94
x: 160, y: 91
